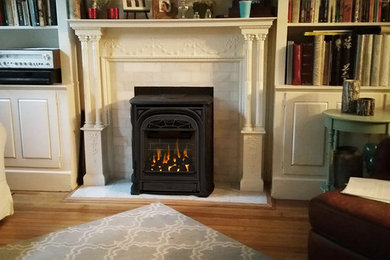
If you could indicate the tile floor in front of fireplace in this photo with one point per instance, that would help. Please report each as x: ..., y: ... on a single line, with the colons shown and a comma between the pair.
x: 121, y: 189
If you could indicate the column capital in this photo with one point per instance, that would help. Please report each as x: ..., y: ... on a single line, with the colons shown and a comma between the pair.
x: 261, y: 37
x: 86, y: 34
x: 255, y: 30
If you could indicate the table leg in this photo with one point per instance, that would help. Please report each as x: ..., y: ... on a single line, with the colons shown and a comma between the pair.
x: 328, y: 185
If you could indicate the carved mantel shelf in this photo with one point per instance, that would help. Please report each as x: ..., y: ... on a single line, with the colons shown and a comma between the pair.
x: 212, y: 39
x: 78, y: 24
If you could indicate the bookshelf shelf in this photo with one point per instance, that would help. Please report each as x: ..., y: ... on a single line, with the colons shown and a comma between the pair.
x: 37, y: 28
x: 357, y: 24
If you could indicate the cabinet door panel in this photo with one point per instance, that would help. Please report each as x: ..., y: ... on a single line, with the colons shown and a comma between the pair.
x: 34, y: 128
x: 304, y: 132
x: 308, y: 134
x: 6, y: 120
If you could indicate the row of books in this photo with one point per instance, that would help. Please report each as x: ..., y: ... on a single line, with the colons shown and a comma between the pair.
x: 330, y: 57
x: 28, y: 12
x: 334, y: 11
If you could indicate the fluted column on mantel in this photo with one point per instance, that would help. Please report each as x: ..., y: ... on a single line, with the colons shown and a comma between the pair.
x: 95, y: 132
x: 260, y: 90
x: 248, y: 82
x: 253, y: 130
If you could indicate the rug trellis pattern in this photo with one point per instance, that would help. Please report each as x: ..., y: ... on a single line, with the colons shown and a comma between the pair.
x: 155, y: 231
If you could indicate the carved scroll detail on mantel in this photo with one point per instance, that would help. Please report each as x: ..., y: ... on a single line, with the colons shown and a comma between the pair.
x: 230, y: 47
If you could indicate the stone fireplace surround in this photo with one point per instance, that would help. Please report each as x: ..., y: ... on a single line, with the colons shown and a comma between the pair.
x: 227, y: 54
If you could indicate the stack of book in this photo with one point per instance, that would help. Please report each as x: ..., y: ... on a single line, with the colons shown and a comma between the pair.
x: 28, y: 12
x: 330, y: 57
x: 334, y: 11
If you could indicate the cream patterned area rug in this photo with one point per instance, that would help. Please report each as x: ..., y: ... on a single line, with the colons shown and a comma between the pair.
x: 155, y: 231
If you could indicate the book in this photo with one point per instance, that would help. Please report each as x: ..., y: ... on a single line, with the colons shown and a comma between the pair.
x: 347, y: 8
x: 9, y: 13
x: 337, y: 44
x: 2, y: 14
x: 53, y: 12
x: 356, y: 11
x: 367, y: 59
x: 376, y: 59
x: 318, y: 60
x: 385, y: 11
x: 385, y: 62
x: 316, y: 11
x: 26, y: 13
x: 327, y: 62
x: 332, y: 11
x: 323, y: 11
x: 371, y: 11
x: 295, y: 13
x: 19, y: 9
x: 41, y: 12
x: 289, y: 62
x: 32, y: 5
x: 346, y: 64
x: 15, y: 15
x: 359, y: 54
x: 307, y: 63
x: 297, y: 55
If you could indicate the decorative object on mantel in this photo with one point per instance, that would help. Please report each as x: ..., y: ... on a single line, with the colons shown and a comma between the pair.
x: 76, y: 9
x: 351, y: 91
x: 135, y: 6
x: 245, y: 8
x: 183, y: 8
x: 201, y: 6
x: 96, y: 7
x: 113, y: 13
x: 260, y: 8
x: 365, y: 107
x: 164, y: 9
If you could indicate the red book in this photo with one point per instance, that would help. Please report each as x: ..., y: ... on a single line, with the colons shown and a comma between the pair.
x: 347, y: 11
x: 297, y: 61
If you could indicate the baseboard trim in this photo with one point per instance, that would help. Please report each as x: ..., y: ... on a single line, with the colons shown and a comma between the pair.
x: 295, y: 189
x: 40, y: 181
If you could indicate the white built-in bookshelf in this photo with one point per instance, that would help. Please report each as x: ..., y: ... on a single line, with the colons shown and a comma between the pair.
x: 299, y: 136
x: 42, y: 121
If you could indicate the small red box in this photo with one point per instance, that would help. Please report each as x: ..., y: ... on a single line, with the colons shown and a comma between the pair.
x: 113, y: 13
x: 92, y: 13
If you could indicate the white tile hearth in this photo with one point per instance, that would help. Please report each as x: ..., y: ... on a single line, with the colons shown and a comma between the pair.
x: 121, y: 189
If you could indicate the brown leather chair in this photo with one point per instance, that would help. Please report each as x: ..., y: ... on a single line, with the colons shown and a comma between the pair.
x: 349, y: 227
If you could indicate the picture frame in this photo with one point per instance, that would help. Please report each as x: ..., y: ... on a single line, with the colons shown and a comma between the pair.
x: 135, y: 6
x: 165, y: 9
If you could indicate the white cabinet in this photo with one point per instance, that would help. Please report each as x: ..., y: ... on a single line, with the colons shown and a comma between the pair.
x: 31, y: 120
x: 298, y: 134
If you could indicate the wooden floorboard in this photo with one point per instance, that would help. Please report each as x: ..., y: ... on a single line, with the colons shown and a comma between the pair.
x: 278, y: 230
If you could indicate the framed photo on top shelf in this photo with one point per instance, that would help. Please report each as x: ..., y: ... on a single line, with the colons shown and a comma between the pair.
x: 164, y: 9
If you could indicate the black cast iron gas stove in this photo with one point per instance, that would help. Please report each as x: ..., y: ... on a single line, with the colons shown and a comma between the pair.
x: 172, y: 140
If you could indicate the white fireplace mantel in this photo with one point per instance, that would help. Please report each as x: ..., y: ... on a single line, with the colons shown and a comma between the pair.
x: 258, y: 23
x: 132, y: 40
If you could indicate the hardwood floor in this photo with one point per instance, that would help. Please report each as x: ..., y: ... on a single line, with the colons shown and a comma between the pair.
x: 279, y: 231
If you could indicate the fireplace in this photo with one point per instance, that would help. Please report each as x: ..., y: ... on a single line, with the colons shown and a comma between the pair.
x: 172, y: 140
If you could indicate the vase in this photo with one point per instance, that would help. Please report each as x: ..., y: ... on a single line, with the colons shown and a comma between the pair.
x: 351, y: 91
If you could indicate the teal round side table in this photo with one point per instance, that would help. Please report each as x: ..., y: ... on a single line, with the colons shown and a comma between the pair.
x: 335, y: 121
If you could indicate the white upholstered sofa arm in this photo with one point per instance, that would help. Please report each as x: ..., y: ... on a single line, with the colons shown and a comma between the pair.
x: 6, y: 202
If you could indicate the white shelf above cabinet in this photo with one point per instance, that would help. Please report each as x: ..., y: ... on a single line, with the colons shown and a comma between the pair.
x: 21, y: 28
